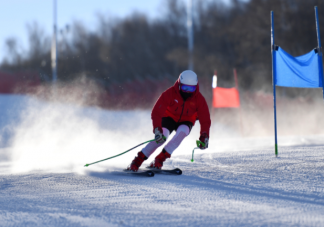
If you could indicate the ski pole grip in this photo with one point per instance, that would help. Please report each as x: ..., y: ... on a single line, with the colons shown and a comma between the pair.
x: 198, y: 142
x: 162, y: 137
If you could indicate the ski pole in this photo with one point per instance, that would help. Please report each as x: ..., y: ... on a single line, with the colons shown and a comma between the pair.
x: 198, y: 142
x: 192, y: 159
x: 86, y: 165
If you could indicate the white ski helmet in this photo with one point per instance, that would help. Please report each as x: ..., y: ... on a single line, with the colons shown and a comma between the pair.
x: 188, y: 77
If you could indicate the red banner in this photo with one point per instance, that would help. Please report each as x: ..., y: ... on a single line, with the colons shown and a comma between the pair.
x: 226, y: 98
x: 21, y: 82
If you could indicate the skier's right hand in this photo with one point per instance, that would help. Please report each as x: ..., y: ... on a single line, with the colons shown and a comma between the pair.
x: 203, y: 138
x: 159, y: 138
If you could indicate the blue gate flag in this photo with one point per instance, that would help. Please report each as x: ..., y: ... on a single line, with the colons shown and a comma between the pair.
x: 305, y: 71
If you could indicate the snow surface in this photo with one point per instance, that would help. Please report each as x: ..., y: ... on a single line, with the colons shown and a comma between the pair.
x: 236, y: 182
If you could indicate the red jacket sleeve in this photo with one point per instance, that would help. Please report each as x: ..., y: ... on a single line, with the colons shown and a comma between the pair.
x: 203, y: 115
x: 160, y: 107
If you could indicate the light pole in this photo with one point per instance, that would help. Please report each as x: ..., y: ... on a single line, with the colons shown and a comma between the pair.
x: 190, y: 34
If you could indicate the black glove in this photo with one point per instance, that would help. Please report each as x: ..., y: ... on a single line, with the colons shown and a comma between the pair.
x: 159, y: 138
x: 203, y: 138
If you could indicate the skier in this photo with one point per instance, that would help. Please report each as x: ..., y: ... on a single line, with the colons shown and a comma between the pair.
x: 176, y: 109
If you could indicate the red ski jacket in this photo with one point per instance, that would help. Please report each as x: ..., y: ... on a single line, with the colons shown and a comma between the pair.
x: 171, y: 104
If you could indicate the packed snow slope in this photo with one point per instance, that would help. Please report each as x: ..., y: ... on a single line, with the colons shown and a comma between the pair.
x: 236, y: 182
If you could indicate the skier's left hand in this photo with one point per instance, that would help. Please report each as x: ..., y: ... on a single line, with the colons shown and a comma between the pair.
x: 159, y: 138
x: 203, y: 138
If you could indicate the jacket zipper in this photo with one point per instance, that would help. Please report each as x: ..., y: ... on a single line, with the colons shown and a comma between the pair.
x: 181, y: 111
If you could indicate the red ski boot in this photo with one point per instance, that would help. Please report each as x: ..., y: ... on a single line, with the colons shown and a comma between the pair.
x: 137, y: 162
x: 158, y: 162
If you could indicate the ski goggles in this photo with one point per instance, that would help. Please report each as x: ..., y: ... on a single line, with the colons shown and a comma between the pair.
x: 187, y: 88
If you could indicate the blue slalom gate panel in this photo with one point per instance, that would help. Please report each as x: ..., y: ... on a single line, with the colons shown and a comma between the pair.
x: 304, y: 71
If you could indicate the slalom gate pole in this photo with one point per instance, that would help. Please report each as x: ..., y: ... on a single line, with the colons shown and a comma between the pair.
x: 240, y: 109
x: 319, y: 46
x: 86, y: 165
x: 198, y: 142
x: 274, y: 81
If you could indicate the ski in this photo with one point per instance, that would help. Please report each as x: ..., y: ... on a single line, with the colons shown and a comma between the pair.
x: 175, y: 171
x: 145, y: 173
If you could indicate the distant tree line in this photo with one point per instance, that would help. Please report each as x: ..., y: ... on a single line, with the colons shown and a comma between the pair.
x: 226, y: 36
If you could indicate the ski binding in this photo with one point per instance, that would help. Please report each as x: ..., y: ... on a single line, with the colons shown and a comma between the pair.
x: 175, y: 171
x: 145, y: 173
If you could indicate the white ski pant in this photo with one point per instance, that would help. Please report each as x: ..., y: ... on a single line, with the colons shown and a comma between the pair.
x: 181, y: 133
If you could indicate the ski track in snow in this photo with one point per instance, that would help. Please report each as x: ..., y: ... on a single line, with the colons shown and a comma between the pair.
x: 236, y: 182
